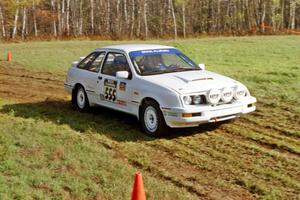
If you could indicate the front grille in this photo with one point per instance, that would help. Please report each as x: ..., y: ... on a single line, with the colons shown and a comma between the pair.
x: 196, y: 114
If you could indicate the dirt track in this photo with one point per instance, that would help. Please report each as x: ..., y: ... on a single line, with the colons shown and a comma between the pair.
x: 27, y: 86
x: 245, y: 148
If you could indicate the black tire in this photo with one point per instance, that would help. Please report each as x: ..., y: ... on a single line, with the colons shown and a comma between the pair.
x: 80, y: 100
x: 152, y: 108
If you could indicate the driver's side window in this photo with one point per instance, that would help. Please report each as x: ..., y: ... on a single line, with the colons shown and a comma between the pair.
x: 115, y: 62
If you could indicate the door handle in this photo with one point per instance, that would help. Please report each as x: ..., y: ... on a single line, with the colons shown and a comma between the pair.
x: 100, y: 77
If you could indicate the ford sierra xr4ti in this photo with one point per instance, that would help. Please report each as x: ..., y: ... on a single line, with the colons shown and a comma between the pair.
x: 158, y: 84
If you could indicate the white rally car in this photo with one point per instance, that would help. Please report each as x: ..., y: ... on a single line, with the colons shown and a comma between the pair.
x: 158, y: 84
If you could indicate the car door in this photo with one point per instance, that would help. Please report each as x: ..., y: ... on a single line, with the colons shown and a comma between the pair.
x: 88, y: 74
x: 113, y: 91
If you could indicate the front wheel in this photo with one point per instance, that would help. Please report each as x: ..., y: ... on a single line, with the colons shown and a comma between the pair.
x: 152, y: 119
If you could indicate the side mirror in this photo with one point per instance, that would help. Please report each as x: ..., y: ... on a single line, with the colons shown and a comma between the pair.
x: 122, y: 74
x: 75, y: 63
x: 202, y: 66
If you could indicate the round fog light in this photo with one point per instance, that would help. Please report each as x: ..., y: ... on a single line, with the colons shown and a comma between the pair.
x: 239, y: 93
x: 214, y: 96
x: 227, y: 95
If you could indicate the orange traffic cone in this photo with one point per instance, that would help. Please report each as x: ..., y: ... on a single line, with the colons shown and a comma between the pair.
x: 138, y: 192
x: 9, y: 56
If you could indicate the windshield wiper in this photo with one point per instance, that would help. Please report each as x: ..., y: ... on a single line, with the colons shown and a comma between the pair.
x: 154, y: 72
x: 181, y: 69
x: 169, y: 71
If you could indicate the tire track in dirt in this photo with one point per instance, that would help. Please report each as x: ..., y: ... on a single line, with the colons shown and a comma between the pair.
x: 28, y: 86
x: 202, y: 182
x: 279, y: 130
x: 230, y: 172
x: 265, y: 141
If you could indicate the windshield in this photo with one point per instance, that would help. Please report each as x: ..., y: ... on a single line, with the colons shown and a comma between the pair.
x: 159, y: 61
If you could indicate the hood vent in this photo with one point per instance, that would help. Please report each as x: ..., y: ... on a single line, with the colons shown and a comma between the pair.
x: 186, y: 79
x: 202, y: 79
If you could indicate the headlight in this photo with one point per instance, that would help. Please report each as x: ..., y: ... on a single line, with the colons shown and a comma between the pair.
x: 239, y: 93
x: 197, y: 99
x: 187, y: 100
x: 227, y: 95
x: 214, y: 96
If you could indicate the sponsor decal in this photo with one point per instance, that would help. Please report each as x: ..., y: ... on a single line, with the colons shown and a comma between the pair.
x: 156, y: 51
x: 110, y: 90
x: 122, y: 102
x: 153, y: 52
x: 122, y: 86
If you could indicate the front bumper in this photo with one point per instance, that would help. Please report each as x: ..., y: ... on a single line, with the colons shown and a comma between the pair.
x: 196, y: 115
x: 68, y: 88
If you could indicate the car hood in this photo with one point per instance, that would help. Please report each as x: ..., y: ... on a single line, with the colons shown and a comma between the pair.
x: 192, y: 81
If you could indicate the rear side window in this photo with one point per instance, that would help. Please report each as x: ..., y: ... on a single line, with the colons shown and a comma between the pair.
x: 115, y: 62
x: 92, y: 62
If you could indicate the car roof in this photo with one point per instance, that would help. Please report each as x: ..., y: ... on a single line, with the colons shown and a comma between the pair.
x: 135, y: 47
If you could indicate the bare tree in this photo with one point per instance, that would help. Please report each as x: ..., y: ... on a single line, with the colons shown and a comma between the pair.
x: 2, y: 23
x: 292, y: 14
x: 53, y: 21
x: 172, y: 11
x: 34, y: 19
x: 145, y: 19
x: 16, y: 21
x: 183, y: 20
x: 68, y: 17
x: 132, y: 17
x: 24, y: 23
x: 80, y: 18
x: 92, y: 15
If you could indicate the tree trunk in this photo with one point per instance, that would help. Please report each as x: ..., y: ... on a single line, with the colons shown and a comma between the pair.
x: 218, y: 16
x: 92, y: 16
x: 80, y: 18
x: 145, y: 19
x: 125, y: 13
x: 34, y: 19
x: 292, y: 14
x: 262, y: 16
x: 59, y: 18
x: 24, y: 23
x: 16, y: 22
x: 68, y: 17
x: 54, y: 21
x: 174, y: 18
x: 183, y: 20
x: 138, y: 31
x: 2, y: 23
x: 118, y: 18
x: 132, y: 18
x: 62, y: 17
x: 108, y: 17
x: 282, y: 13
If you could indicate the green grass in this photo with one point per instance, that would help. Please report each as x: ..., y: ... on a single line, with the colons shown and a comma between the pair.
x: 47, y: 150
x: 40, y: 160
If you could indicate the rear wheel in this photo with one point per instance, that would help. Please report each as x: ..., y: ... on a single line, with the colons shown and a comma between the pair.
x: 80, y: 100
x: 152, y: 119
